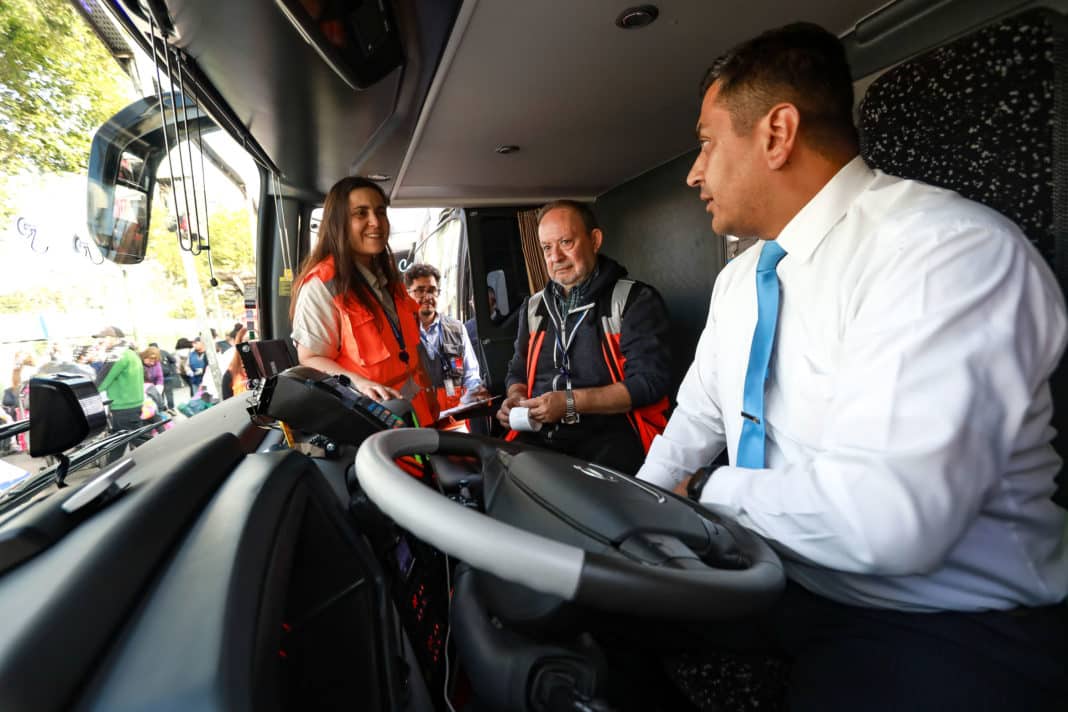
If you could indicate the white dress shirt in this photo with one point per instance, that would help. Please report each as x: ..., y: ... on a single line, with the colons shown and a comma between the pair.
x: 431, y: 336
x: 907, y: 403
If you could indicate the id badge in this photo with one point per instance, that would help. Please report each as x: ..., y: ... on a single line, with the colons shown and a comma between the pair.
x: 450, y: 388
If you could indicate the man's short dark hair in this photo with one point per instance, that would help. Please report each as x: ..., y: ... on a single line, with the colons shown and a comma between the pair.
x: 417, y: 271
x: 802, y: 64
x: 585, y: 212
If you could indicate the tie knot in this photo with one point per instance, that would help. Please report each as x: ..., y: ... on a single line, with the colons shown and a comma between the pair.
x: 771, y: 254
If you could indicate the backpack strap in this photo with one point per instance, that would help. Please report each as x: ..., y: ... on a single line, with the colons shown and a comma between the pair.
x: 534, y: 316
x: 647, y: 421
x: 612, y: 305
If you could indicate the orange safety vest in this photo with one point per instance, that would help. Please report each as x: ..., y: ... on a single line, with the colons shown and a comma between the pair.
x: 369, y: 348
x: 647, y: 421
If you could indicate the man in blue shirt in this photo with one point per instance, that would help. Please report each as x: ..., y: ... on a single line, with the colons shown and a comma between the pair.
x: 198, y: 363
x: 453, y: 365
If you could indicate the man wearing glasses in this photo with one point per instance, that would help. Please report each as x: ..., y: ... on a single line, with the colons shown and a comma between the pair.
x: 453, y: 365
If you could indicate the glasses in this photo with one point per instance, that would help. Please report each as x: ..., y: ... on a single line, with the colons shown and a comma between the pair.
x: 424, y: 291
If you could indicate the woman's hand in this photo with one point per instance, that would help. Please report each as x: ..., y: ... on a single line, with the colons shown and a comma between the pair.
x: 375, y: 391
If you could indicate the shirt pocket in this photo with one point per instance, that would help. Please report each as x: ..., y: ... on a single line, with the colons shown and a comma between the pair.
x: 799, y: 408
x: 367, y: 338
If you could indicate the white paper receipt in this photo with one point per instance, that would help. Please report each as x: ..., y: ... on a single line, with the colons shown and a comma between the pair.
x: 519, y: 419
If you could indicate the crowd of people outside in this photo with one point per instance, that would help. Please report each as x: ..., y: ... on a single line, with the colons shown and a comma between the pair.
x: 141, y: 383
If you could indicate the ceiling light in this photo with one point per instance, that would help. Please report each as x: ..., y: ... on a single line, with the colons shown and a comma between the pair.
x: 504, y: 149
x: 639, y: 16
x: 378, y: 176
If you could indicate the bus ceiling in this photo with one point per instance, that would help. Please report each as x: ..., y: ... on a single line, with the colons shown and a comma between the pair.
x: 424, y: 92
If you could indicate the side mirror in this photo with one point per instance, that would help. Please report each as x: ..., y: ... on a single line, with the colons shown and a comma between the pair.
x: 123, y: 158
x: 65, y: 409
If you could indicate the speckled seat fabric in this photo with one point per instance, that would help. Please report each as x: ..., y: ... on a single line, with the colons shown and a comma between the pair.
x: 976, y: 116
x: 980, y: 116
x: 986, y: 116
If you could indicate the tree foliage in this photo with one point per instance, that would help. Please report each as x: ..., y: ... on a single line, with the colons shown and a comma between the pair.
x: 34, y: 300
x: 58, y: 84
x: 231, y: 250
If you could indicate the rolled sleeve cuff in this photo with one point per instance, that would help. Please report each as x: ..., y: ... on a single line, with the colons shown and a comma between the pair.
x: 640, y: 392
x: 314, y: 344
x: 661, y: 475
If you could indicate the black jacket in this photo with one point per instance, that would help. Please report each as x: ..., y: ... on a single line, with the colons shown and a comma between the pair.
x: 643, y: 341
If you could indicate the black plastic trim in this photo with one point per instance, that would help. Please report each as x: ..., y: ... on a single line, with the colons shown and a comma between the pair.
x: 612, y: 582
x: 78, y: 604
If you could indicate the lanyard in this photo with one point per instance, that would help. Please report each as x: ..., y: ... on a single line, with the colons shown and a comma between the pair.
x: 561, y: 359
x: 394, y: 325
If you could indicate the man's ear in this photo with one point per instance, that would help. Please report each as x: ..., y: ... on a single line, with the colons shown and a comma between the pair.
x: 597, y: 236
x: 781, y: 123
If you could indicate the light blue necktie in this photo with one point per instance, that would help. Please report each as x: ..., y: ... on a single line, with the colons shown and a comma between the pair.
x: 751, y: 442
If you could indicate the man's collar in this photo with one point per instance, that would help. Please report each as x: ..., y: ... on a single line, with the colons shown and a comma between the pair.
x: 803, y: 234
x: 433, y: 322
x: 578, y: 289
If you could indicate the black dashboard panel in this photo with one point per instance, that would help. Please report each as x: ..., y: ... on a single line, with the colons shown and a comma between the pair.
x: 63, y: 606
x: 269, y: 603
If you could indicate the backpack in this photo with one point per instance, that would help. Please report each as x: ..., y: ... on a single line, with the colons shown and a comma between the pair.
x: 168, y: 363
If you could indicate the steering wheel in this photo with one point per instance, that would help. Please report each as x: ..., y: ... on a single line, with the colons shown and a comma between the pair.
x: 577, y: 531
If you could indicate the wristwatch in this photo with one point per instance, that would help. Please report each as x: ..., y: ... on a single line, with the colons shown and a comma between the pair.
x: 697, y: 483
x: 571, y: 415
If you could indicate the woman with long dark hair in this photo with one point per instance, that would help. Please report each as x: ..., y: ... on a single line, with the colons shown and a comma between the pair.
x: 351, y: 314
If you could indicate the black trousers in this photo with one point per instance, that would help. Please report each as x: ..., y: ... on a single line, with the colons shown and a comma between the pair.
x: 850, y: 658
x: 126, y: 419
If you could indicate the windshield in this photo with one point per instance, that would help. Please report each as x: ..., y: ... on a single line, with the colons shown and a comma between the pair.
x: 63, y: 306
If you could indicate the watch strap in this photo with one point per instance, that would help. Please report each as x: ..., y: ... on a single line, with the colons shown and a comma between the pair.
x: 697, y: 483
x: 571, y: 415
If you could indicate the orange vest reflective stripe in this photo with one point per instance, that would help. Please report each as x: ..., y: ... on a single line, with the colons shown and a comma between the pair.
x: 369, y: 348
x: 647, y: 421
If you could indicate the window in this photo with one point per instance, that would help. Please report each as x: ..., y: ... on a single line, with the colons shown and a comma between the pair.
x: 443, y: 247
x: 59, y: 292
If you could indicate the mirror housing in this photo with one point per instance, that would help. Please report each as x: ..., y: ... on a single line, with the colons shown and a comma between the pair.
x: 123, y: 159
x: 65, y: 409
x: 359, y: 41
